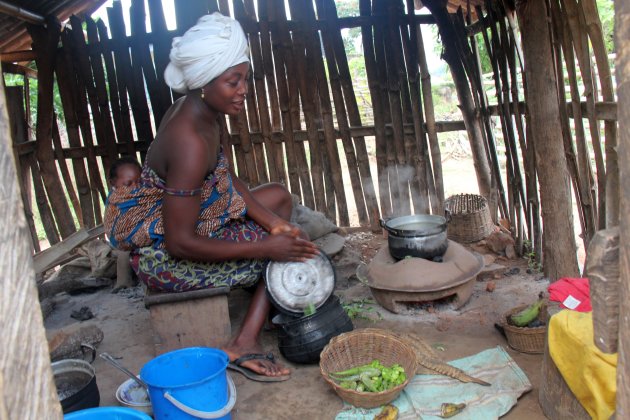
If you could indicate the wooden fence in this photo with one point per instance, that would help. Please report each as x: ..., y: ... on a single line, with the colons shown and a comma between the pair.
x: 302, y: 125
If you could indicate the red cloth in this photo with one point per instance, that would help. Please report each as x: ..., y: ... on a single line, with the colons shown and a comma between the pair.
x: 571, y: 293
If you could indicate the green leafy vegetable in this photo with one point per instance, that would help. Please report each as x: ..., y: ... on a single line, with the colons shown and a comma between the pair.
x: 371, y: 377
x: 309, y: 310
x: 362, y: 309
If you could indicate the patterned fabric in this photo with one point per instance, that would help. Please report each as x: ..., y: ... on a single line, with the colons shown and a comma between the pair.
x: 133, y: 215
x: 161, y: 272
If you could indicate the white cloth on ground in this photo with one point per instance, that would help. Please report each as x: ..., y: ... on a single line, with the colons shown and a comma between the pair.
x: 206, y: 50
x: 424, y: 395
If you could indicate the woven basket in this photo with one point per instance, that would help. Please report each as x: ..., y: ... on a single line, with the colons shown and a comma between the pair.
x: 360, y: 347
x: 524, y: 339
x: 470, y: 219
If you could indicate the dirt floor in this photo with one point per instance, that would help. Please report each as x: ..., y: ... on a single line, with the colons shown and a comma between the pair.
x: 455, y: 333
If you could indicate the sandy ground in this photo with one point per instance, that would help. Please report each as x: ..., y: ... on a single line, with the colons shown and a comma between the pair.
x: 457, y: 333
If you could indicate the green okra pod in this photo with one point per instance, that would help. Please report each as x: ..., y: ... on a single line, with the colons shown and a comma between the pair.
x: 367, y: 381
x: 357, y: 371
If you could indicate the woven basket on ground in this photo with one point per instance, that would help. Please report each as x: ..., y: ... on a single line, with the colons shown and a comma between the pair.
x: 470, y: 219
x: 526, y: 339
x: 360, y: 347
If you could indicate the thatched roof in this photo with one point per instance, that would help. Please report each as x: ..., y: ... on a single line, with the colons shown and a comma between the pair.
x: 14, y: 15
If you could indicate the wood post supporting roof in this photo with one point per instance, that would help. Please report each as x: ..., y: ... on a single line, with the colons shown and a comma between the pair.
x: 622, y: 43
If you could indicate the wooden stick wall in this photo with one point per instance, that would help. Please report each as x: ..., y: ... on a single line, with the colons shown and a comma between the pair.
x: 302, y: 125
x: 596, y: 186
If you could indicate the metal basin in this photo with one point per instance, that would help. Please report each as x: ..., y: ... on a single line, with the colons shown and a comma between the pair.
x: 418, y: 235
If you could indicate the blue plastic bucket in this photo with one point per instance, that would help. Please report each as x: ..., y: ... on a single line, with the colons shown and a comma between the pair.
x: 107, y: 413
x: 190, y: 383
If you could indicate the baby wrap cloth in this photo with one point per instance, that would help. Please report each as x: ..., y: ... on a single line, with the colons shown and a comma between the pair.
x: 206, y: 50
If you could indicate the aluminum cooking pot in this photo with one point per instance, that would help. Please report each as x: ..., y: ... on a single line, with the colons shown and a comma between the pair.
x: 294, y: 286
x: 418, y: 235
x: 75, y: 380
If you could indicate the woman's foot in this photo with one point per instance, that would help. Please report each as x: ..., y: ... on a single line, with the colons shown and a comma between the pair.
x: 255, y: 359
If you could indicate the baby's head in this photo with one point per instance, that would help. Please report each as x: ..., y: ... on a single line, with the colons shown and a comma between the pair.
x: 124, y: 172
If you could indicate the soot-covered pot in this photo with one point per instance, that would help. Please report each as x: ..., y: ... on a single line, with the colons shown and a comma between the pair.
x: 302, y: 339
x: 418, y: 235
x: 75, y: 380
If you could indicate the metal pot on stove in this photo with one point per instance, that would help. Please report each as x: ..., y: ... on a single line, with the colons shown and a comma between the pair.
x: 418, y: 235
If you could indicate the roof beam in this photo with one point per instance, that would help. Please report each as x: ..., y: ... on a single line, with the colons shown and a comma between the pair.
x: 17, y: 56
x: 21, y: 13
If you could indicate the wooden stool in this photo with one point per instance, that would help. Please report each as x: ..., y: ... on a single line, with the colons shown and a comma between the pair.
x: 189, y: 319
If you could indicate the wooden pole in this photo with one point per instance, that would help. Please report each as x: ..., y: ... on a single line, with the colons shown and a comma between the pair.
x: 45, y: 43
x: 275, y: 161
x: 559, y: 249
x: 386, y: 148
x: 67, y: 91
x: 118, y: 80
x: 19, y: 135
x: 27, y: 390
x: 161, y: 48
x: 579, y: 38
x: 130, y: 82
x: 437, y: 202
x: 449, y: 38
x: 96, y: 61
x: 497, y: 201
x: 289, y: 53
x: 355, y: 120
x: 622, y: 66
x: 84, y: 116
x: 142, y: 56
x: 594, y: 27
x: 305, y: 12
x: 581, y: 174
x: 122, y: 135
x: 371, y: 68
x: 342, y: 117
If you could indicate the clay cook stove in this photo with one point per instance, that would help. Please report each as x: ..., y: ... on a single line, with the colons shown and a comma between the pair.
x: 412, y: 280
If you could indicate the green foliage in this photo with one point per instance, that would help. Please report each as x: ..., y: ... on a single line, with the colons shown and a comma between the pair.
x: 347, y: 8
x: 530, y: 254
x: 356, y: 65
x: 362, y: 309
x: 484, y: 57
x: 18, y: 80
x: 607, y: 16
x: 350, y: 37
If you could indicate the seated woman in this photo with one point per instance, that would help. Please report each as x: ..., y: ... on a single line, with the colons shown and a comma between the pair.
x: 191, y: 223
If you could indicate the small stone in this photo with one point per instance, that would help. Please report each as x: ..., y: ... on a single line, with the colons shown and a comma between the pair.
x: 82, y: 314
x: 443, y: 324
x: 491, y: 286
x: 491, y: 271
x: 512, y: 271
x: 489, y: 259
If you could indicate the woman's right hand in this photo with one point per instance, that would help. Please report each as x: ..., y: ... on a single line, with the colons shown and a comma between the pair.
x: 283, y: 247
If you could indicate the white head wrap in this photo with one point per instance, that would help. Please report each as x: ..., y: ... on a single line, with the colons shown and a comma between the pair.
x: 206, y: 50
